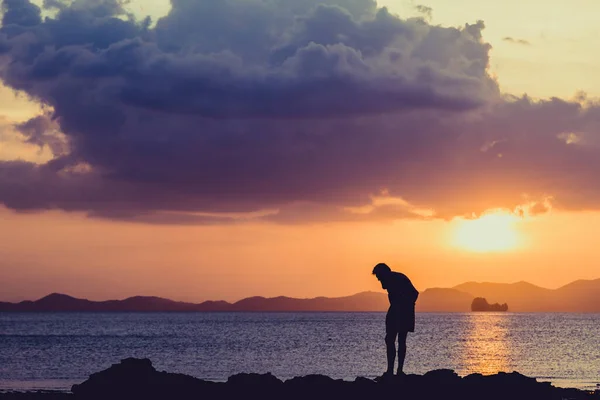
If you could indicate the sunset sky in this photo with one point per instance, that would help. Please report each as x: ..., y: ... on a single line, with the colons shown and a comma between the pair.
x: 230, y: 148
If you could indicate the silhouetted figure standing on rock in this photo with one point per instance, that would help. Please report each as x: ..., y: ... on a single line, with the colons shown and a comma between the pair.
x: 400, y: 318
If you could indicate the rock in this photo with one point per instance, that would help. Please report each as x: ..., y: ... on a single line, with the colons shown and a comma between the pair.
x: 310, y: 380
x: 129, y: 373
x: 138, y: 379
x: 362, y: 381
x: 266, y: 380
x: 502, y: 379
x: 504, y: 385
x: 441, y: 376
x: 474, y: 379
x: 312, y: 387
x: 481, y: 304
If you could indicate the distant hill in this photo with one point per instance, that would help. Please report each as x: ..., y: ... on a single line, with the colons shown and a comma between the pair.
x: 367, y: 301
x: 579, y: 296
x: 521, y: 296
x: 62, y: 302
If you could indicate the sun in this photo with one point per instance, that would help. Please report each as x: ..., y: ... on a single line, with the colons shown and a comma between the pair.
x: 493, y: 232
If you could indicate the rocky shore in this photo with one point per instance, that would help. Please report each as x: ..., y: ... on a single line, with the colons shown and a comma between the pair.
x: 138, y: 379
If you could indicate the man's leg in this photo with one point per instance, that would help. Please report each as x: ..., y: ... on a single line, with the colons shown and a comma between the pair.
x: 401, y: 351
x: 390, y: 344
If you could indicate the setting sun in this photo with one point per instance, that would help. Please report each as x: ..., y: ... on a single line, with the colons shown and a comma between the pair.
x: 493, y: 232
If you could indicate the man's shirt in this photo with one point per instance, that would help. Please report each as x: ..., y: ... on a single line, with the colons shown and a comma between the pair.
x: 401, y: 291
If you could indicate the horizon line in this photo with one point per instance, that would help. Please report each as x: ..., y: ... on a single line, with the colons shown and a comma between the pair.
x: 289, y: 297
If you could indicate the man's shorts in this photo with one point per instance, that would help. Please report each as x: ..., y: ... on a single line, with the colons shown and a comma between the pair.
x: 400, y: 320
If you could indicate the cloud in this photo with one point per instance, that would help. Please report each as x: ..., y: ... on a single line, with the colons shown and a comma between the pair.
x: 15, y: 146
x: 517, y: 41
x: 426, y: 11
x: 42, y: 131
x: 307, y: 109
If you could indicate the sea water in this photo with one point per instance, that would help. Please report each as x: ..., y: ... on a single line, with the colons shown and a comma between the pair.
x: 56, y: 350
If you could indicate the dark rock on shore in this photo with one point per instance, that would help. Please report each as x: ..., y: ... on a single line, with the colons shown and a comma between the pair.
x: 36, y: 395
x: 138, y: 379
x: 265, y: 380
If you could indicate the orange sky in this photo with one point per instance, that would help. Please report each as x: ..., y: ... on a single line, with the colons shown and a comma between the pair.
x: 101, y: 259
x: 52, y: 251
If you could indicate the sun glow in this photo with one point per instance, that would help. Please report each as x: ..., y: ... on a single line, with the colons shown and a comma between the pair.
x: 494, y: 232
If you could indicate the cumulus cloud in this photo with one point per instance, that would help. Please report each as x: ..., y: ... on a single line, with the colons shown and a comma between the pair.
x: 225, y: 109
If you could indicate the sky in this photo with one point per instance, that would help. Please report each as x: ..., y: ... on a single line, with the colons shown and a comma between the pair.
x: 225, y: 149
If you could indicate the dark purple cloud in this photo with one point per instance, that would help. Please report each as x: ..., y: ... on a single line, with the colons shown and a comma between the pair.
x: 308, y: 107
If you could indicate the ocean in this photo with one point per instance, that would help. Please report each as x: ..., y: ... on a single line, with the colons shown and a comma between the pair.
x: 56, y: 350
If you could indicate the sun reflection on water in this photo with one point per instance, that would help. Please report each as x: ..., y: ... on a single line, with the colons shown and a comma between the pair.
x: 487, y: 346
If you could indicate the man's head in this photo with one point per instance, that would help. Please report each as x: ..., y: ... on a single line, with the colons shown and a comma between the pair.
x: 382, y: 271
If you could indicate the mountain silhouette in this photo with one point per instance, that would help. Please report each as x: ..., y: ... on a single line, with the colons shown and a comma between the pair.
x: 578, y: 296
x: 366, y: 301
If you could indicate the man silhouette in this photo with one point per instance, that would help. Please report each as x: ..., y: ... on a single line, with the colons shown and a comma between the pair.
x: 400, y: 318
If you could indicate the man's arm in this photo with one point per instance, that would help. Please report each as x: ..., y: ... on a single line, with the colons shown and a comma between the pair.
x: 405, y: 289
x: 414, y: 293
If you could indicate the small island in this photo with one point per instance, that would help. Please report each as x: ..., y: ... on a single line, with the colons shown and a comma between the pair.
x: 481, y: 304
